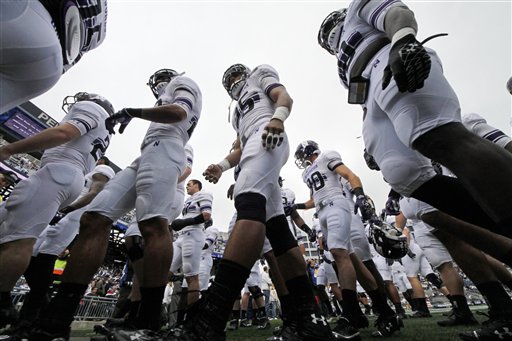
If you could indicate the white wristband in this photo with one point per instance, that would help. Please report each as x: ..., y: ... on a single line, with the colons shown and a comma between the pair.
x: 224, y: 165
x: 402, y: 33
x: 281, y: 113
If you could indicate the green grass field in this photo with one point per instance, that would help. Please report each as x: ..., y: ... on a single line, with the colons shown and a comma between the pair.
x: 415, y: 329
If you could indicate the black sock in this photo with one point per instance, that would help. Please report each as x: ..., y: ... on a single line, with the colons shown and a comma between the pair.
x: 449, y: 297
x: 61, y: 310
x: 398, y: 308
x: 422, y: 305
x: 380, y: 303
x: 460, y: 304
x: 39, y: 273
x: 5, y: 299
x: 261, y: 313
x: 235, y: 314
x: 243, y: 314
x: 302, y: 292
x: 133, y: 313
x: 150, y: 307
x: 222, y: 294
x: 497, y: 298
x: 351, y: 309
x: 507, y: 258
x: 288, y: 311
x: 337, y: 306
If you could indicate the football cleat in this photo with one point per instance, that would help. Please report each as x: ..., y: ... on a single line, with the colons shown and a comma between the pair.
x: 498, y: 329
x: 386, y: 326
x: 345, y: 331
x: 233, y: 324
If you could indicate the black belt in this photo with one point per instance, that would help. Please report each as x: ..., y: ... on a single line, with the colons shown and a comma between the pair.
x: 364, y: 58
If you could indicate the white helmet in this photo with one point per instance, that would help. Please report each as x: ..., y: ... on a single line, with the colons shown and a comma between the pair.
x: 331, y: 29
x: 234, y: 87
x: 388, y: 241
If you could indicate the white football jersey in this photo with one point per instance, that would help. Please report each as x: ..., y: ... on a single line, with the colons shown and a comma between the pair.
x: 321, y: 178
x: 288, y: 196
x: 83, y: 152
x: 211, y: 235
x: 196, y: 204
x: 254, y: 106
x: 101, y: 169
x: 363, y: 25
x: 184, y: 92
x: 189, y: 161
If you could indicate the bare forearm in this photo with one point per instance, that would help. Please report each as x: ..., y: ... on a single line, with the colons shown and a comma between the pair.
x: 46, y: 139
x: 170, y: 113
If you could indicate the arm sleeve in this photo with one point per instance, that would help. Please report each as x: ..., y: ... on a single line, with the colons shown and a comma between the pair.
x: 267, y: 77
x: 478, y: 125
x: 85, y: 116
x: 333, y: 160
x: 374, y: 12
x: 186, y: 94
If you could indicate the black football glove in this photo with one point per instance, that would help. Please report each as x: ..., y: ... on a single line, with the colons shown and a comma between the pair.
x: 409, y: 64
x: 312, y: 236
x: 365, y: 205
x: 123, y: 117
x: 392, y: 206
x: 370, y: 161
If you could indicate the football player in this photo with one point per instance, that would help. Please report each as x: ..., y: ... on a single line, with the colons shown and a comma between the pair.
x: 71, y: 151
x: 395, y: 79
x: 191, y: 238
x: 263, y: 104
x: 53, y: 240
x: 40, y: 40
x: 149, y: 185
x: 295, y: 221
x: 321, y: 174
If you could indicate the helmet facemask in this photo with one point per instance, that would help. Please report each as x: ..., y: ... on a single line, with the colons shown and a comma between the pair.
x: 330, y: 31
x: 69, y: 101
x: 234, y: 80
x: 388, y: 241
x: 159, y: 80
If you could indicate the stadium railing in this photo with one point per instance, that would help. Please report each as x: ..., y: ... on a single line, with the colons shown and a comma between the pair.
x: 90, y: 308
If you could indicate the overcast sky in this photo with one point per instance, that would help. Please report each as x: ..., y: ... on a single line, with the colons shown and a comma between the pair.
x: 203, y: 38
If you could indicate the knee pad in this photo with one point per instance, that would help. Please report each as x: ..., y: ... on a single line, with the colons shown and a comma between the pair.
x: 255, y: 292
x: 435, y: 280
x: 279, y: 235
x: 251, y: 206
x: 136, y: 251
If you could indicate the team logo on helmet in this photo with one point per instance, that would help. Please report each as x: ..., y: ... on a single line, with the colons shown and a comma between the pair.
x: 304, y: 151
x: 69, y: 101
x: 389, y: 242
x: 330, y: 30
x: 160, y: 78
x: 234, y: 79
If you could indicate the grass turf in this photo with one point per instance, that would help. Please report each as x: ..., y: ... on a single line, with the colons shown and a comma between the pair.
x: 415, y: 329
